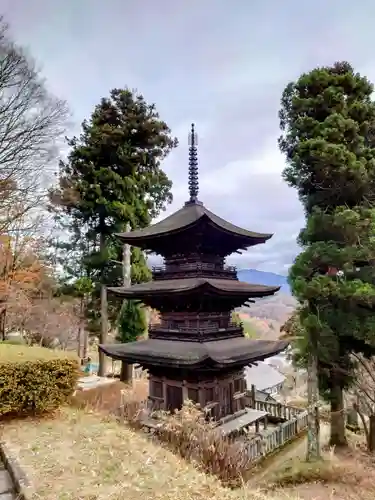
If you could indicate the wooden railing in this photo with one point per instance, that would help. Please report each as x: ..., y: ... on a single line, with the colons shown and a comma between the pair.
x: 194, y: 269
x: 278, y: 410
x: 260, y: 445
x: 268, y: 441
x: 192, y: 329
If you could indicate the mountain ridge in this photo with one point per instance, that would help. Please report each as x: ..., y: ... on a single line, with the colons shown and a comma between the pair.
x: 264, y: 278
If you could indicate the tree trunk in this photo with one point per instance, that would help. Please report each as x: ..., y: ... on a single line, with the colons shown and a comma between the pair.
x: 352, y: 420
x: 313, y: 430
x: 103, y: 311
x: 3, y: 323
x: 371, y: 439
x: 338, y: 437
x: 104, y: 330
x: 126, y: 374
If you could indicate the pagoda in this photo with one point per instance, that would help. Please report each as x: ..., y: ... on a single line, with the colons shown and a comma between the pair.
x: 196, y: 352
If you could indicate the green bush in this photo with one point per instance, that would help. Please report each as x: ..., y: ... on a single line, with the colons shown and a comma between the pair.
x: 35, y: 379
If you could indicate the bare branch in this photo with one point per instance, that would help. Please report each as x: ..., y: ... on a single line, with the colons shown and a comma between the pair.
x: 31, y: 123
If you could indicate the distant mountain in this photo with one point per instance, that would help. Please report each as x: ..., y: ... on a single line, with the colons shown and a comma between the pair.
x: 264, y: 278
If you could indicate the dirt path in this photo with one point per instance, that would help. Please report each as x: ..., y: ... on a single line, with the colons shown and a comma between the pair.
x: 296, y: 450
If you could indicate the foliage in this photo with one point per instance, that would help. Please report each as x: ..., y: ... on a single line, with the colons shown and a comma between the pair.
x: 327, y: 119
x: 132, y: 322
x: 112, y: 177
x: 34, y: 379
x: 249, y: 329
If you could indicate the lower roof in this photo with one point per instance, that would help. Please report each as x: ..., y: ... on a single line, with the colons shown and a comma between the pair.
x: 179, y: 354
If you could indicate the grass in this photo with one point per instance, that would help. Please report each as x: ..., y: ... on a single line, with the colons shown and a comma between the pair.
x: 79, y: 454
x: 14, y: 353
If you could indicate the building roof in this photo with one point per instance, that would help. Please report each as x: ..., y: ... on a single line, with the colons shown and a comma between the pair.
x: 235, y: 424
x: 188, y: 216
x: 263, y: 397
x: 263, y: 376
x: 210, y: 285
x: 238, y: 351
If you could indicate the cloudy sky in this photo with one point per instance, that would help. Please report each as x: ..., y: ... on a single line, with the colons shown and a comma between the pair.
x: 220, y: 64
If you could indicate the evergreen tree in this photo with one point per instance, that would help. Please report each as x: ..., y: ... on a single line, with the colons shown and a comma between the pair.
x: 132, y: 322
x: 327, y: 118
x: 112, y: 177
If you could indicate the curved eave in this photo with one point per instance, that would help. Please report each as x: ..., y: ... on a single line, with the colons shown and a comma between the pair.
x: 186, y: 218
x: 202, y: 286
x: 216, y: 354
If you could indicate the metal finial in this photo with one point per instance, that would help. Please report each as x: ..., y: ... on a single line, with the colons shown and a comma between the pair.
x: 193, y: 165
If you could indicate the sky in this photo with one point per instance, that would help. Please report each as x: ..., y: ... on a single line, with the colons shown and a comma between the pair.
x: 222, y: 65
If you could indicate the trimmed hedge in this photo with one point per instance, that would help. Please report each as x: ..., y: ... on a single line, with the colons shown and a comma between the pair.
x: 35, y: 379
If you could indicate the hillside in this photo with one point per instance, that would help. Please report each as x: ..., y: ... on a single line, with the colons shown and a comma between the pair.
x: 267, y: 315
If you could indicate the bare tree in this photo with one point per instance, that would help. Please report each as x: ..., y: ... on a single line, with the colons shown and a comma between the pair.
x: 363, y: 391
x: 31, y: 123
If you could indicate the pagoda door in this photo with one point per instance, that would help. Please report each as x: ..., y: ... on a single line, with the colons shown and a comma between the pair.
x: 174, y: 398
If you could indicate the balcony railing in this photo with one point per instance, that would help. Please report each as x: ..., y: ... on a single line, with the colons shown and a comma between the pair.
x: 201, y: 328
x: 192, y: 269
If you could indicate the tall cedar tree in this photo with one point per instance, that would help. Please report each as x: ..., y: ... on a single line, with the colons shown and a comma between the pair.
x: 327, y: 118
x: 113, y: 176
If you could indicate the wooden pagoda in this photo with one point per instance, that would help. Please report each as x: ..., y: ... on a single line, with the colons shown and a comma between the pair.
x: 196, y: 352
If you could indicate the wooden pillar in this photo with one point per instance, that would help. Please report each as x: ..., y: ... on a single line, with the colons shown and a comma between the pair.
x: 253, y: 396
x: 164, y: 404
x: 265, y: 422
x: 185, y: 393
x: 257, y: 426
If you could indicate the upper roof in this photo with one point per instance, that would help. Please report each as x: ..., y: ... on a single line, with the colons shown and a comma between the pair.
x: 188, y: 216
x: 263, y: 376
x: 214, y: 286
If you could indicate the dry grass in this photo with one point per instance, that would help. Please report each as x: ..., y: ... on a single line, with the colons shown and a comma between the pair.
x: 81, y: 455
x: 106, y: 398
x: 190, y: 436
x: 186, y: 433
x: 347, y: 475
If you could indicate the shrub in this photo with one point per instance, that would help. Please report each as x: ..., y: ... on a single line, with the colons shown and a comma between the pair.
x: 35, y: 379
x: 187, y: 432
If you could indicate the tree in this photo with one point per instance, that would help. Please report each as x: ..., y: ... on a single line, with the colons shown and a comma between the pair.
x: 31, y: 122
x: 327, y: 120
x: 363, y: 390
x: 132, y: 322
x: 113, y: 177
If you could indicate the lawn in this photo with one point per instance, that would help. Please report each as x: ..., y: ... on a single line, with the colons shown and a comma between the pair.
x: 81, y: 455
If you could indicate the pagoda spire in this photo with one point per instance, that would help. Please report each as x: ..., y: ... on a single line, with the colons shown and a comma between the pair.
x: 193, y: 166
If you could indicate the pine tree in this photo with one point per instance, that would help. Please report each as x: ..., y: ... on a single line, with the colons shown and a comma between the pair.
x: 327, y: 118
x: 112, y: 177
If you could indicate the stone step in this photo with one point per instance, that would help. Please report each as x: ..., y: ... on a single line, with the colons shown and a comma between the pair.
x: 7, y: 491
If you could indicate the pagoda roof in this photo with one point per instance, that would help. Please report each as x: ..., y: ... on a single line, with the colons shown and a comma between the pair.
x: 181, y: 286
x: 187, y: 217
x: 228, y: 353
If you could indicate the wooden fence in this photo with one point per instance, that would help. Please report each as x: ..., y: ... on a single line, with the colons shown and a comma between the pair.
x: 268, y: 441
